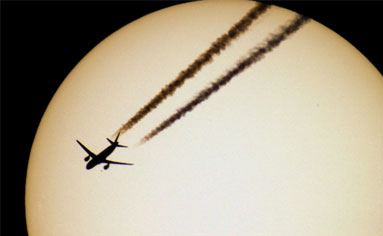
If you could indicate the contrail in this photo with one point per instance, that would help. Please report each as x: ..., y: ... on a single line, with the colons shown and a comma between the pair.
x: 216, y: 47
x: 255, y: 55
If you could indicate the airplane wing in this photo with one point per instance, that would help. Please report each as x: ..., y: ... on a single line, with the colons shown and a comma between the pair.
x: 91, y: 154
x: 116, y: 162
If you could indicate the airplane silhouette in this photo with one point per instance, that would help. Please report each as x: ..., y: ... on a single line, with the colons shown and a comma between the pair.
x: 101, y: 157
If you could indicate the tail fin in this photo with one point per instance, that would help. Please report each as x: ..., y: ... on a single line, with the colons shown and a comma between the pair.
x: 118, y: 135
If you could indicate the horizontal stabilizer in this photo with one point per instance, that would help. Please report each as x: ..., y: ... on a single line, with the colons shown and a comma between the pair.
x: 110, y: 141
x: 119, y: 145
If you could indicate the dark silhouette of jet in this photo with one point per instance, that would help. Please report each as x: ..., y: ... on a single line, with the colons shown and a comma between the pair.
x: 101, y: 157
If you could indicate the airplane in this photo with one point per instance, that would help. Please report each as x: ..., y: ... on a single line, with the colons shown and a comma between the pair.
x: 101, y: 157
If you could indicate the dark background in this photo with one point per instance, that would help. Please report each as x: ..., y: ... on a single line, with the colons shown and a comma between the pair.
x: 42, y: 41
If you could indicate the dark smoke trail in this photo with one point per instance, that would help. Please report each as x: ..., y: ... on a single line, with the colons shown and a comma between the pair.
x: 255, y: 55
x: 216, y: 47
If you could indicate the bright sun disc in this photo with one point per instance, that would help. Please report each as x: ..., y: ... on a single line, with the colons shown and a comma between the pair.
x: 290, y: 146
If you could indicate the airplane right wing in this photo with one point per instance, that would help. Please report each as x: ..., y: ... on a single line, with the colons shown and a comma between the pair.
x: 116, y: 162
x: 91, y: 154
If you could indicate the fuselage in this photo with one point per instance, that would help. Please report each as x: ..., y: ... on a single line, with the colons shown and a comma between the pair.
x: 101, y: 157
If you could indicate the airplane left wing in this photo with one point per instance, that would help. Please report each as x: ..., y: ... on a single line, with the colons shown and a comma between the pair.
x: 117, y: 163
x: 91, y: 154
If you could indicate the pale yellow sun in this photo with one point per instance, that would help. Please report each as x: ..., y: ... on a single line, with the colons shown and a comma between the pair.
x: 290, y: 146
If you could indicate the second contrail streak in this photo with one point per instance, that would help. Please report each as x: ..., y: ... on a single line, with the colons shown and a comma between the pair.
x: 255, y: 55
x: 216, y: 47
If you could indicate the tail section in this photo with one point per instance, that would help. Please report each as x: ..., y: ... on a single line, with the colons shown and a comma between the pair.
x: 115, y: 142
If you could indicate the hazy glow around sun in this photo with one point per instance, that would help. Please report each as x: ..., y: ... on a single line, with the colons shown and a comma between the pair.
x: 292, y: 146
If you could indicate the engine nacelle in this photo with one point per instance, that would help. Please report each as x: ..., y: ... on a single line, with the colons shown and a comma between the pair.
x: 87, y: 158
x: 106, y: 166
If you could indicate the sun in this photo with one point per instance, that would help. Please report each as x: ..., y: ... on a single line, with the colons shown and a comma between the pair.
x: 288, y: 144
